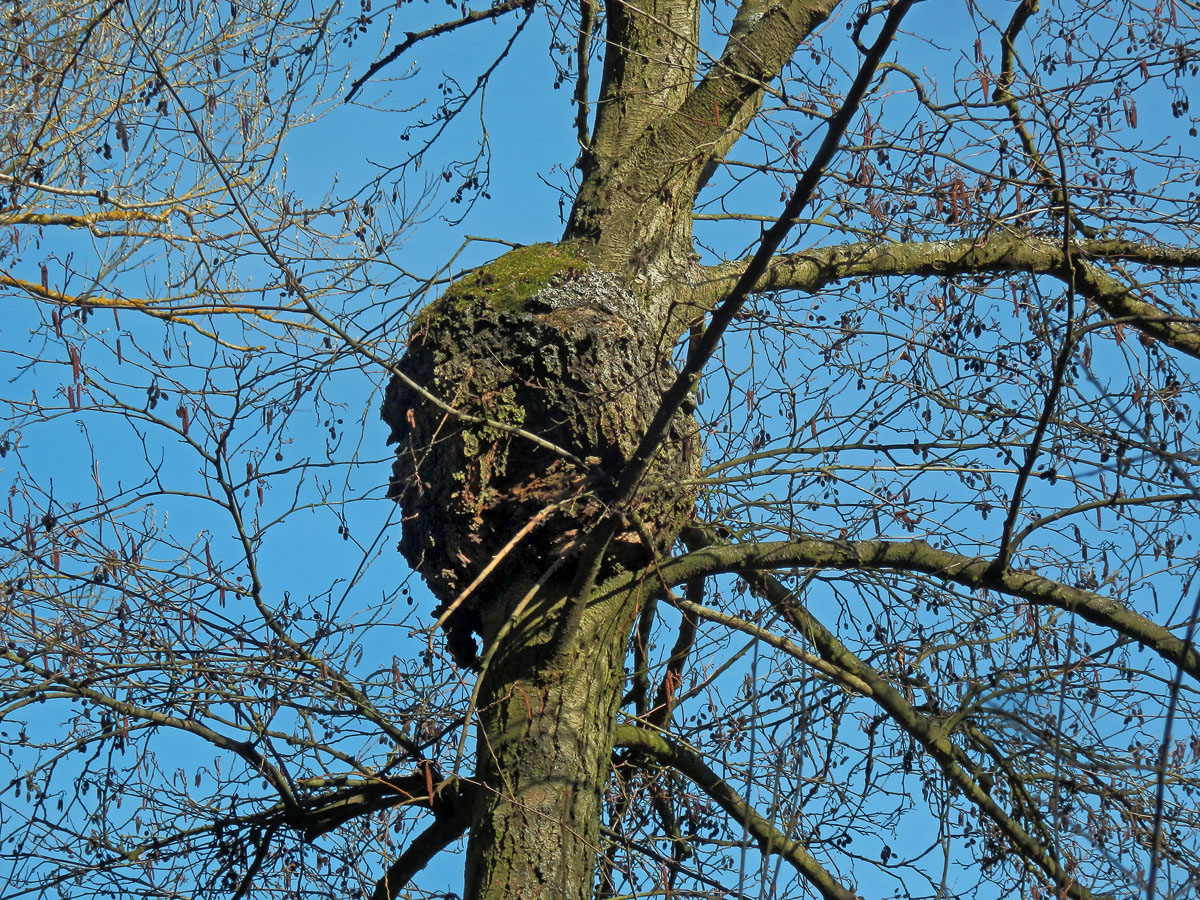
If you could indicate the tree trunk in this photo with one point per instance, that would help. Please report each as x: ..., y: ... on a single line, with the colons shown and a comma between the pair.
x: 544, y: 742
x: 548, y: 373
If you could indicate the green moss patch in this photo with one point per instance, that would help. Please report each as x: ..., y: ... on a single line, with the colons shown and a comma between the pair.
x: 507, y: 283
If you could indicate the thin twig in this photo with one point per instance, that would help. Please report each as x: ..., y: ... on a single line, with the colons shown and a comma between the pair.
x: 414, y: 37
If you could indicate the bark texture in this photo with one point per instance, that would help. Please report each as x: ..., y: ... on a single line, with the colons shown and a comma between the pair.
x: 535, y: 344
x: 560, y: 357
x: 538, y: 341
x: 658, y: 133
x: 545, y: 741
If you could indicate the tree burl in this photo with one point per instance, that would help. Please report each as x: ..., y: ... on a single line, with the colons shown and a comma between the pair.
x: 539, y: 341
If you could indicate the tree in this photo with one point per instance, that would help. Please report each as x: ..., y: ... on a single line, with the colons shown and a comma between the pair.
x: 843, y: 547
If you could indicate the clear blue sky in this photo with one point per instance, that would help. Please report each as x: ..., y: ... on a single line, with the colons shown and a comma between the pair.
x: 533, y: 147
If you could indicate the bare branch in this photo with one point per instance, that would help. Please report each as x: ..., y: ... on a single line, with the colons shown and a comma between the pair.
x: 918, y: 556
x: 770, y: 839
x: 415, y: 37
x: 934, y: 736
x: 1006, y: 251
x: 452, y: 817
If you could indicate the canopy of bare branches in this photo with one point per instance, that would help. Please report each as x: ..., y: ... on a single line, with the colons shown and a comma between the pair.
x: 814, y: 514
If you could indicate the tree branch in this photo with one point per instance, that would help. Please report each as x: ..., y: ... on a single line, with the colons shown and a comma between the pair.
x: 243, y: 749
x: 1003, y: 95
x: 1008, y: 251
x: 762, y: 41
x: 83, y: 220
x: 933, y: 735
x: 414, y: 37
x: 658, y: 41
x: 842, y: 678
x: 583, y: 53
x: 649, y: 156
x: 770, y: 839
x: 918, y: 556
x: 451, y: 809
x: 702, y: 349
x: 664, y: 702
x: 175, y: 309
x: 327, y: 812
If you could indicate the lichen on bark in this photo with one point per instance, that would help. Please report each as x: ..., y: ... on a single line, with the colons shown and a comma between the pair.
x: 539, y: 340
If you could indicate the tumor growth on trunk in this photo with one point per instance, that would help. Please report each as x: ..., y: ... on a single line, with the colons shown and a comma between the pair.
x: 535, y: 343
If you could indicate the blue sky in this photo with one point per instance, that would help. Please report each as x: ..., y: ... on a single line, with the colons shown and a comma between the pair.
x: 531, y: 138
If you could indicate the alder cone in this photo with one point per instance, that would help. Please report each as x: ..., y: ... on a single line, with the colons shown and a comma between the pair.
x: 537, y: 341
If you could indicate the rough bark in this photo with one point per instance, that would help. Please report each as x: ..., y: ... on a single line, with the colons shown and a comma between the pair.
x: 559, y: 371
x: 544, y: 743
x: 648, y: 159
x: 539, y: 341
x: 571, y: 345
